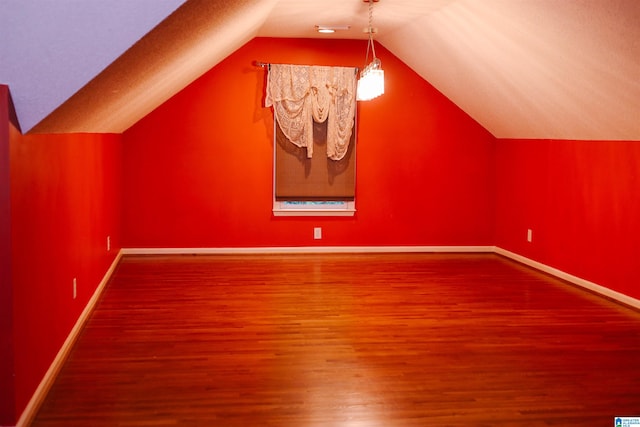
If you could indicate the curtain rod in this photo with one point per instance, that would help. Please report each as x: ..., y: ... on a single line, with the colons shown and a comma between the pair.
x: 268, y: 65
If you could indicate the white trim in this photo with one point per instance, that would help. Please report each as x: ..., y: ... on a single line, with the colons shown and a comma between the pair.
x: 609, y: 293
x: 345, y: 208
x: 316, y: 212
x: 49, y: 377
x: 303, y: 249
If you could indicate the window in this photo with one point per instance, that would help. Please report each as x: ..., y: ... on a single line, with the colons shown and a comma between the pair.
x: 316, y: 186
x: 314, y: 139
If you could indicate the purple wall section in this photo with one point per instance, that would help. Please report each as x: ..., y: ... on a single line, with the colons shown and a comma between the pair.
x: 55, y: 48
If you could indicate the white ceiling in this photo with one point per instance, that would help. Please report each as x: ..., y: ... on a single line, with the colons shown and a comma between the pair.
x: 522, y: 68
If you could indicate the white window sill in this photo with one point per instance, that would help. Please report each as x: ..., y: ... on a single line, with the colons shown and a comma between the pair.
x: 310, y: 212
x: 313, y: 209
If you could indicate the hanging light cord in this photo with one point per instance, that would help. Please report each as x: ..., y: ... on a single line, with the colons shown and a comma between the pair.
x: 370, y: 45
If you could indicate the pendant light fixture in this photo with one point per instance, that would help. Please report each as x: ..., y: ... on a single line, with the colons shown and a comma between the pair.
x: 371, y: 82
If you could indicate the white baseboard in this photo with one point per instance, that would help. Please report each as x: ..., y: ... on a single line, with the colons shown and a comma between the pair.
x: 609, y: 293
x: 49, y: 377
x: 304, y: 250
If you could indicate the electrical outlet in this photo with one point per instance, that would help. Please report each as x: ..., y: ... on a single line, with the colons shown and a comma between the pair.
x: 75, y: 288
x: 317, y: 233
x: 529, y: 235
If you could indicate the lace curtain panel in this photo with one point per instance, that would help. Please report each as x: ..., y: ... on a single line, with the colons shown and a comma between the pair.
x: 302, y: 94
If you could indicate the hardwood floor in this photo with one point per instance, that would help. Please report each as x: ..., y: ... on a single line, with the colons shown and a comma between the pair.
x: 347, y: 340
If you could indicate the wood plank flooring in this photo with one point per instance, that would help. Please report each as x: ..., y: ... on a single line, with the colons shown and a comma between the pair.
x: 347, y: 340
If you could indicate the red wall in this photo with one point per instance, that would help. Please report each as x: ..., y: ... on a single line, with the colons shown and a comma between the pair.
x: 7, y: 371
x: 581, y: 200
x: 198, y: 170
x: 65, y: 201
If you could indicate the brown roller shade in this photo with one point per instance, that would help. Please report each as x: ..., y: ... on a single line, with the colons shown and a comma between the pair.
x: 318, y: 178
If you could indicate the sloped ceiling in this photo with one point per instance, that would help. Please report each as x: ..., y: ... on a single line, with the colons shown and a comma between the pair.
x: 522, y: 68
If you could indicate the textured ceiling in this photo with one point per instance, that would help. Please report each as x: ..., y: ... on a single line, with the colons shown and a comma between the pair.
x: 522, y: 68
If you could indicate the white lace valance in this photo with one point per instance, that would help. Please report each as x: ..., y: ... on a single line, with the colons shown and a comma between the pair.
x: 302, y: 94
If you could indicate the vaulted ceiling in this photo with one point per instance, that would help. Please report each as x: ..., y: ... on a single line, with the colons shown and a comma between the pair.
x: 550, y: 69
